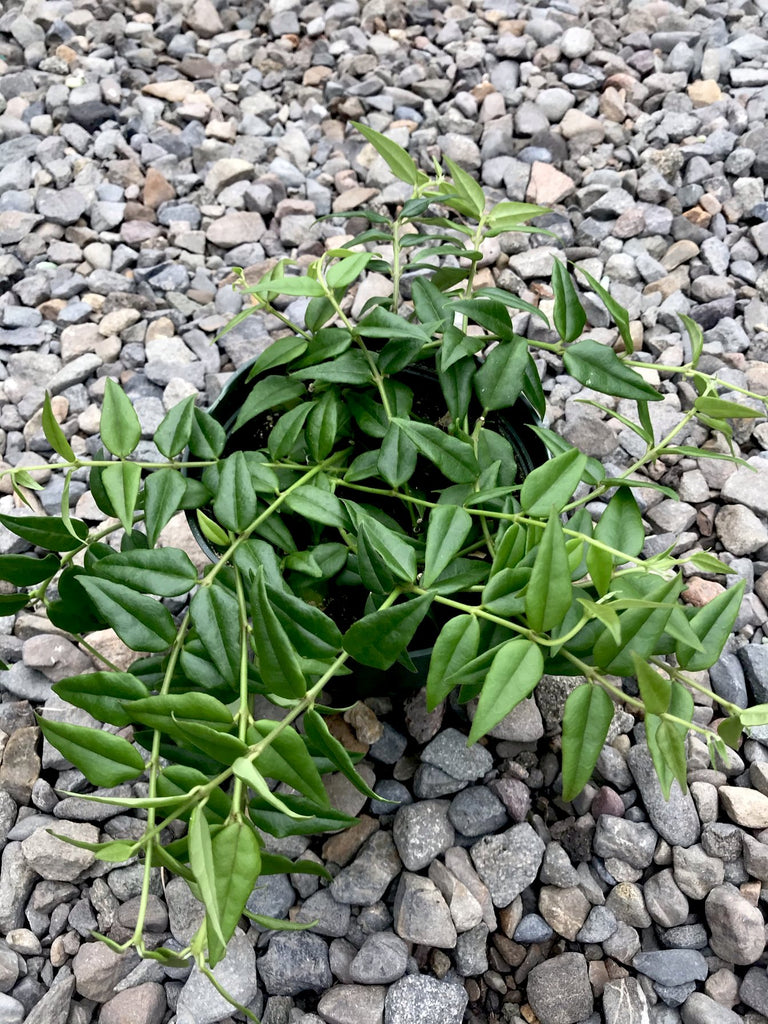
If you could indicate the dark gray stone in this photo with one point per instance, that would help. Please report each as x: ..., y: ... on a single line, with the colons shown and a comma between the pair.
x: 382, y: 959
x: 674, y: 819
x: 420, y: 999
x: 672, y: 966
x: 295, y: 961
x: 477, y: 812
x: 449, y: 752
x: 559, y: 990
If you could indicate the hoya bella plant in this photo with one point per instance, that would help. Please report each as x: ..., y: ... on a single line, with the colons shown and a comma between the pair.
x: 367, y: 503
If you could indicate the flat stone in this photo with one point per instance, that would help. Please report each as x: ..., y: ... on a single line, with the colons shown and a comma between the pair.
x: 55, y: 1004
x: 748, y: 486
x: 421, y: 999
x: 17, y: 880
x: 421, y: 914
x: 449, y: 752
x: 753, y: 991
x: 15, y: 225
x: 630, y: 841
x: 142, y: 1004
x: 695, y: 871
x: 559, y: 990
x: 565, y: 910
x: 60, y: 206
x: 200, y: 1003
x: 675, y: 819
x: 737, y: 929
x: 476, y: 812
x: 382, y: 959
x: 236, y: 228
x: 223, y: 173
x: 295, y: 961
x: 745, y: 806
x: 700, y: 1009
x: 672, y: 966
x: 624, y: 1002
x: 56, y: 860
x: 351, y: 1004
x: 666, y: 904
x: 98, y: 969
x: 366, y: 879
x: 509, y: 862
x: 421, y: 832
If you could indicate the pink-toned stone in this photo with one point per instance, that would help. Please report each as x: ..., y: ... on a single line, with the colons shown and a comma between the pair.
x: 548, y: 186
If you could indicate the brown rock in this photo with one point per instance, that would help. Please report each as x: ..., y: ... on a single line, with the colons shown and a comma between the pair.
x: 21, y: 764
x: 175, y: 91
x: 341, y: 848
x: 235, y: 229
x: 145, y: 1003
x: 701, y: 592
x: 316, y: 75
x: 679, y: 253
x: 576, y: 122
x: 365, y: 723
x: 703, y: 92
x: 352, y: 198
x: 547, y: 185
x: 157, y: 189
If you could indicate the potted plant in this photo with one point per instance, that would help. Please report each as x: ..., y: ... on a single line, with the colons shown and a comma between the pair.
x: 366, y: 503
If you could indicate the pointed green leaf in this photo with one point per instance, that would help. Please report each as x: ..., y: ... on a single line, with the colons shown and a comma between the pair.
x: 313, y: 633
x: 119, y: 426
x: 455, y: 647
x: 453, y: 457
x: 307, y: 287
x: 278, y: 353
x: 268, y: 393
x: 500, y: 379
x: 278, y: 663
x: 288, y: 760
x: 380, y: 637
x: 54, y: 435
x: 568, y: 316
x: 101, y: 694
x: 141, y: 622
x: 598, y: 367
x: 723, y: 409
x: 655, y: 689
x: 553, y: 483
x: 104, y: 759
x: 641, y: 628
x: 470, y: 189
x: 121, y: 482
x: 207, y: 438
x: 204, y: 868
x: 216, y: 618
x: 235, y: 502
x: 617, y: 311
x: 712, y: 624
x: 586, y: 719
x: 515, y: 670
x: 397, y: 457
x: 237, y: 858
x: 244, y: 769
x: 318, y: 506
x: 326, y: 744
x: 549, y: 593
x: 398, y: 160
x: 164, y: 492
x: 47, y: 532
x: 116, y: 852
x: 173, y: 434
x: 447, y: 530
x: 26, y: 570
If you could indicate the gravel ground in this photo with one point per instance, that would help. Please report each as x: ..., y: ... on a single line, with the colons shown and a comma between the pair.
x: 146, y: 148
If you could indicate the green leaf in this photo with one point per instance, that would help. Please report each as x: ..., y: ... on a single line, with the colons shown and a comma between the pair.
x: 397, y: 457
x: 379, y: 638
x: 429, y: 302
x: 488, y: 313
x: 621, y: 527
x: 277, y: 864
x: 311, y: 631
x: 730, y: 730
x: 549, y: 593
x: 384, y: 554
x: 655, y: 689
x: 396, y: 158
x: 104, y: 759
x: 712, y: 624
x: 666, y: 743
x: 506, y: 216
x: 343, y: 273
x: 454, y: 648
x: 325, y: 418
x: 237, y: 859
x: 102, y: 694
x: 512, y: 301
x: 448, y: 528
x: 208, y: 437
x: 453, y: 457
x: 708, y: 562
x: 569, y: 316
x: 514, y: 672
x: 278, y: 353
x: 121, y: 482
x: 278, y: 663
x: 617, y: 311
x: 500, y: 379
x: 268, y: 393
x: 696, y: 337
x: 468, y: 188
x: 54, y: 435
x: 141, y: 622
x: 26, y: 570
x: 553, y: 483
x: 309, y: 819
x: 219, y: 745
x: 723, y: 409
x: 173, y: 434
x: 12, y: 603
x: 324, y: 743
x: 286, y: 432
x: 47, y: 532
x: 211, y: 530
x: 303, y: 286
x: 586, y: 719
x: 167, y: 712
x: 598, y: 367
x: 603, y: 613
x: 216, y: 618
x: 204, y: 868
x: 318, y: 506
x: 288, y: 760
x: 164, y: 492
x: 235, y: 502
x: 757, y: 715
x: 119, y: 426
x: 349, y: 368
x: 245, y: 770
x: 641, y: 629
x: 116, y: 852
